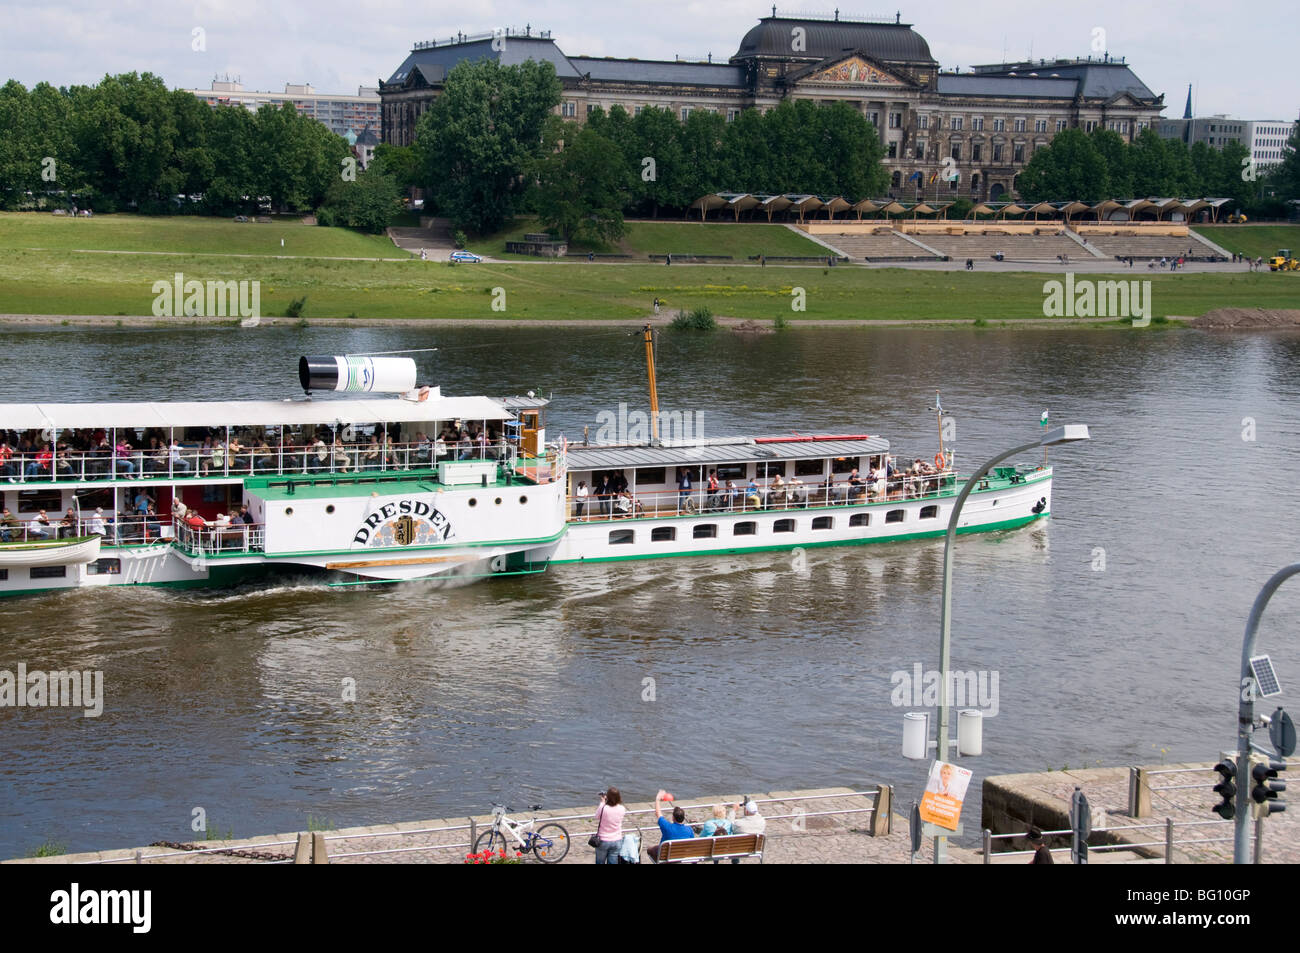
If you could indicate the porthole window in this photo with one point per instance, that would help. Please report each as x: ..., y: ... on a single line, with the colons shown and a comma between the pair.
x: 288, y: 511
x: 330, y: 508
x: 473, y: 501
x: 523, y: 500
x: 497, y: 501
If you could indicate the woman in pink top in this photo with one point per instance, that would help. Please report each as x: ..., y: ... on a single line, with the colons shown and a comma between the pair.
x: 609, y: 826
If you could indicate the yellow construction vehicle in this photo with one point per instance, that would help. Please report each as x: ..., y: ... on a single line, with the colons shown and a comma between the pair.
x: 1283, y: 261
x: 1237, y: 219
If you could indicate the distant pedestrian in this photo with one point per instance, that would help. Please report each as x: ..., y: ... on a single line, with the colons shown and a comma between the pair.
x: 970, y: 263
x: 1041, y: 854
x: 656, y: 305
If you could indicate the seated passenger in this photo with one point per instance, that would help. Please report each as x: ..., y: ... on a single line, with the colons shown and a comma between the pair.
x: 38, y: 527
x: 718, y: 825
x: 9, y: 526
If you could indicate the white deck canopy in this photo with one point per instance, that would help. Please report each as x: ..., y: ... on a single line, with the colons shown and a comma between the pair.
x: 250, y: 413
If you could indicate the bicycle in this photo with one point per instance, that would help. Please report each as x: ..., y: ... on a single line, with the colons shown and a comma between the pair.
x: 549, y: 842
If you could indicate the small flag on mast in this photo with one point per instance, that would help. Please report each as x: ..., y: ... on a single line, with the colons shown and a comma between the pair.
x: 1043, y: 420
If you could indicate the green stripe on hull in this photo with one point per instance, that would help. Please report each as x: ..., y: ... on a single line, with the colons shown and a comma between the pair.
x: 733, y: 551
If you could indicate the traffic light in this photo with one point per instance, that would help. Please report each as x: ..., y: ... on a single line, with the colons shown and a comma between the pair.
x: 1226, y: 790
x: 1265, y: 791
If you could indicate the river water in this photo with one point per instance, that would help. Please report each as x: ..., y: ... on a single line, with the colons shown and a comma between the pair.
x: 1114, y: 628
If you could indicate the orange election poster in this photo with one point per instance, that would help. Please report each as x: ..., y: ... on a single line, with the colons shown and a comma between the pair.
x: 944, y: 793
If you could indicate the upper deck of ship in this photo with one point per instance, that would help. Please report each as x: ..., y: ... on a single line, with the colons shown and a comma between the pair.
x: 724, y: 450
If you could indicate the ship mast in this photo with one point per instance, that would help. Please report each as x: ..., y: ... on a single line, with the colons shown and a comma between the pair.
x: 654, y: 392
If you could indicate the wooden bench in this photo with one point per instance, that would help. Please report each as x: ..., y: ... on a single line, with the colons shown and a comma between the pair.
x: 699, y: 849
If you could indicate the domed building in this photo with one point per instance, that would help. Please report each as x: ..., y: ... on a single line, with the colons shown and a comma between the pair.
x: 946, y: 134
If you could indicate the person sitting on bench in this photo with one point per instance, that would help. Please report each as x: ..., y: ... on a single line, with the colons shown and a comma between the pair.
x: 676, y: 829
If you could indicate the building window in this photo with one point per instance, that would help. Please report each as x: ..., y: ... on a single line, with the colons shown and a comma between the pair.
x: 1060, y: 125
x: 783, y: 526
x: 976, y: 152
x: 895, y: 516
x: 920, y: 149
x: 895, y: 120
x: 977, y: 124
x: 732, y: 115
x: 997, y: 152
x: 4, y: 575
x: 923, y: 122
x: 954, y: 183
x: 893, y: 150
x: 591, y: 108
x: 1019, y: 155
x: 637, y: 110
x: 896, y: 180
x: 860, y: 519
x: 999, y: 125
x: 823, y: 522
x: 686, y: 112
x: 1090, y: 125
x: 1040, y: 125
x: 568, y: 109
x: 1020, y: 125
x: 707, y: 531
x: 747, y: 528
x: 956, y: 151
x: 621, y: 537
x: 956, y: 122
x: 874, y: 119
x: 663, y: 534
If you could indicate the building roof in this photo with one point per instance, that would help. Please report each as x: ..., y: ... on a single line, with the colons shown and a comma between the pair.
x: 655, y: 71
x: 1093, y: 80
x: 969, y: 84
x: 892, y: 42
x: 434, y: 63
x: 736, y: 450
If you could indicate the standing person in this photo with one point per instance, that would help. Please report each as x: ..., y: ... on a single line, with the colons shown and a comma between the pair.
x: 609, y: 826
x: 676, y: 829
x: 684, y: 488
x: 1041, y: 854
x: 580, y: 499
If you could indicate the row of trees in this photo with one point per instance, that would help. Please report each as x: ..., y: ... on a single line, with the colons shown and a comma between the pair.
x: 131, y: 142
x: 490, y: 147
x: 1100, y: 165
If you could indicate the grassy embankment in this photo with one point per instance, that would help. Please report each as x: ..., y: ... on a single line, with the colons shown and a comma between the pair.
x: 1255, y: 241
x: 662, y: 238
x: 62, y: 281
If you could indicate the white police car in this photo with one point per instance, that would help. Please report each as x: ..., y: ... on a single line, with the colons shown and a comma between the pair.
x: 465, y: 256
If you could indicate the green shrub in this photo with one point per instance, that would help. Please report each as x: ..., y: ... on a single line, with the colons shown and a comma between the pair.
x: 51, y: 848
x: 701, y: 319
x: 295, y: 307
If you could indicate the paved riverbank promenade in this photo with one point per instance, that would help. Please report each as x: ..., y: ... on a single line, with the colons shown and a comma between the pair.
x: 1136, y: 812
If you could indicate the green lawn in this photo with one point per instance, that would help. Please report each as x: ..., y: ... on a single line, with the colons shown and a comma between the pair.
x: 187, y: 233
x: 678, y: 238
x: 1254, y: 241
x: 67, y: 282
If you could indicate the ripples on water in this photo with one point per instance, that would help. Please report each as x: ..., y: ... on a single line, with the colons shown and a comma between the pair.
x: 531, y: 689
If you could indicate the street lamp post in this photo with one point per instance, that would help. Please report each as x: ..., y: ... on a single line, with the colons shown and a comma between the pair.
x: 1246, y: 713
x: 1067, y: 434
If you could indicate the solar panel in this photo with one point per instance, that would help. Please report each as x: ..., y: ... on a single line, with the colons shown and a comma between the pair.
x: 1265, y: 677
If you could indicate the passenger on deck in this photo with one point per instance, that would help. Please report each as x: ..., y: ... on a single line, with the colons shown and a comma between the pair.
x: 580, y: 499
x: 733, y: 495
x: 152, y: 525
x: 9, y: 526
x: 96, y: 525
x: 68, y: 525
x: 340, y: 456
x: 753, y: 498
x: 122, y: 462
x: 713, y: 502
x: 178, y: 463
x: 38, y: 527
x: 7, y: 468
x: 683, y: 487
x: 423, y: 448
x: 798, y: 493
x: 371, y: 457
x: 776, y: 492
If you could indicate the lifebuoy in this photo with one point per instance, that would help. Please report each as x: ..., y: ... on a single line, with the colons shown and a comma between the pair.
x: 939, y: 461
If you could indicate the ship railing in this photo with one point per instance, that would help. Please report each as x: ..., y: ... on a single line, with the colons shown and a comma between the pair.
x: 193, y: 461
x: 768, y: 498
x: 115, y: 531
x: 214, y: 540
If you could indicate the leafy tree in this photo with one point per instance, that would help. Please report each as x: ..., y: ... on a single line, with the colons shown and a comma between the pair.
x: 370, y: 203
x: 401, y: 162
x: 480, y: 136
x: 1110, y: 145
x: 583, y: 187
x: 1069, y: 167
x: 658, y: 136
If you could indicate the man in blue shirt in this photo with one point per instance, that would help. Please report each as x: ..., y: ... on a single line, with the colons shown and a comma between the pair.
x: 676, y: 829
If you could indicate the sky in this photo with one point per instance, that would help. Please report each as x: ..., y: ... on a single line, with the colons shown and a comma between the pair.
x: 1239, y: 63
